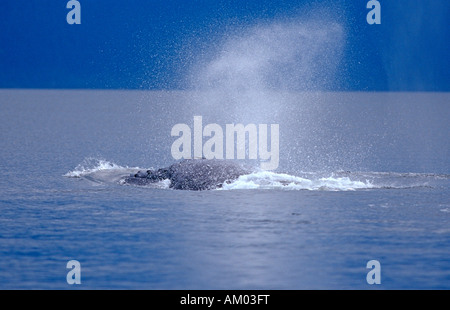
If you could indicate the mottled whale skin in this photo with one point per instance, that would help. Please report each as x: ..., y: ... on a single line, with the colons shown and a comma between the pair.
x: 192, y: 174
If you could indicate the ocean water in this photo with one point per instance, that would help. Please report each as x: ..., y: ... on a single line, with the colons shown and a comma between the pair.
x: 362, y: 176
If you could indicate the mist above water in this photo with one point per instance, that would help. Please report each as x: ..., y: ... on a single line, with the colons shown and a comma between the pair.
x: 253, y: 68
x: 292, y: 55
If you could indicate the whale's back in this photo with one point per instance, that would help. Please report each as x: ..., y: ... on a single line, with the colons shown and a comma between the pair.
x: 203, y: 174
x: 192, y: 174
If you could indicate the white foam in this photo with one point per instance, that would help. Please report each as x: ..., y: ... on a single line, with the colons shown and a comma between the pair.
x: 272, y: 180
x: 91, y: 165
x: 164, y: 184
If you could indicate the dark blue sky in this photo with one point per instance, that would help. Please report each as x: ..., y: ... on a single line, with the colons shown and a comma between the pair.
x: 150, y: 44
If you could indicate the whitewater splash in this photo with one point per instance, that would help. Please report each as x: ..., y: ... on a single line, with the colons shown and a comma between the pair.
x: 272, y: 180
x: 93, y: 165
x: 106, y: 172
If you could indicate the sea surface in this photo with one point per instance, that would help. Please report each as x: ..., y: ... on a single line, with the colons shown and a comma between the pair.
x: 362, y: 176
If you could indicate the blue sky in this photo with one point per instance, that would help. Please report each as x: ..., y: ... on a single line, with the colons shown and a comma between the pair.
x: 152, y: 44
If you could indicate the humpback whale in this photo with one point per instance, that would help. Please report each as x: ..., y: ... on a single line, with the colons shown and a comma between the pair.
x: 192, y: 174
